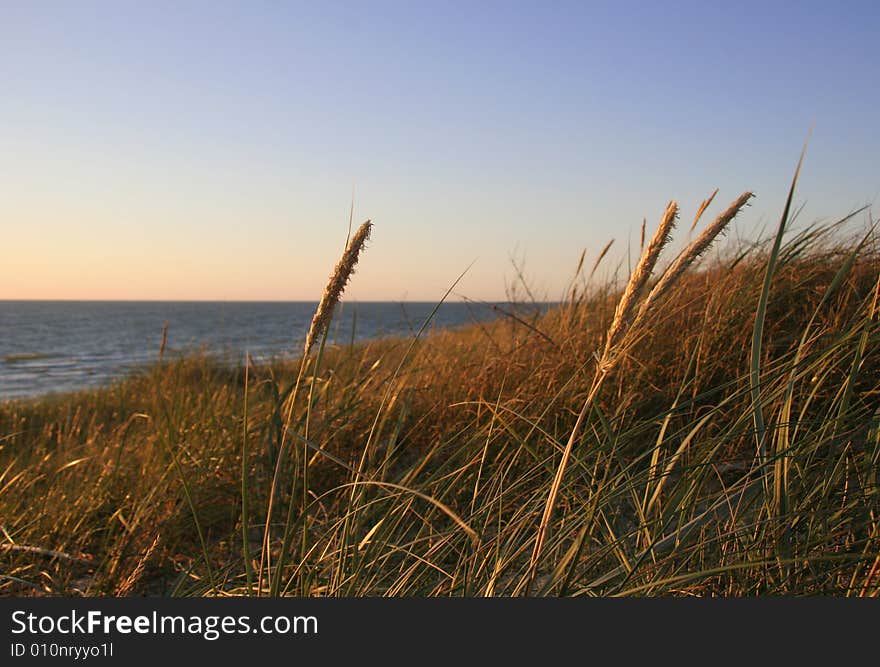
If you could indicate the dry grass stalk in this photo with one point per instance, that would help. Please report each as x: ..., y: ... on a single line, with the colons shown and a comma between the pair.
x: 635, y: 286
x: 577, y: 272
x: 580, y: 265
x: 321, y: 320
x: 641, y: 274
x: 164, y: 340
x: 702, y: 209
x: 621, y: 326
x: 693, y: 252
x: 336, y: 285
x: 600, y: 258
x: 128, y: 585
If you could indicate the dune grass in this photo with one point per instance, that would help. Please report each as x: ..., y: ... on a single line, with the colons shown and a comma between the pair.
x: 731, y: 448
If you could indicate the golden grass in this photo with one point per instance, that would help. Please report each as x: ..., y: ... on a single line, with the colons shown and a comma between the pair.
x: 424, y: 468
x: 336, y: 285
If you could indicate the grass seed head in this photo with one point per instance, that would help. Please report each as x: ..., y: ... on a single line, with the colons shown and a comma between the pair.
x: 336, y: 285
x: 641, y: 274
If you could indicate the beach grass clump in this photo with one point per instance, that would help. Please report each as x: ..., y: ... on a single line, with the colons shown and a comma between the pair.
x: 608, y: 446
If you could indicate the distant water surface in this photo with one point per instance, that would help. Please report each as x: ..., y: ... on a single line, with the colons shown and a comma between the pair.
x: 51, y: 346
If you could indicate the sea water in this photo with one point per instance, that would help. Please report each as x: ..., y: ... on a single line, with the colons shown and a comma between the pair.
x: 56, y: 346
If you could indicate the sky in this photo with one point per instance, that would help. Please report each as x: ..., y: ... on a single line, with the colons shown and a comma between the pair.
x: 212, y: 150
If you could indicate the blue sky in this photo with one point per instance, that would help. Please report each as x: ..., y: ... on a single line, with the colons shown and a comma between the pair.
x: 209, y: 150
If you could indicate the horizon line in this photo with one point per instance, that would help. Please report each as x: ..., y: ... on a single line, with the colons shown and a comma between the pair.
x: 315, y: 301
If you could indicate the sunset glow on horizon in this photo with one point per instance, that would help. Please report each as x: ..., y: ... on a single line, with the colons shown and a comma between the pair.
x: 193, y: 151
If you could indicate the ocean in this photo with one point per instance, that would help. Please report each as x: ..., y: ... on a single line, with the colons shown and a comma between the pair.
x: 58, y: 346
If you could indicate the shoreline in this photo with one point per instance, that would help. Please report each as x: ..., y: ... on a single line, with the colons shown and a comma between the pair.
x: 84, y: 363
